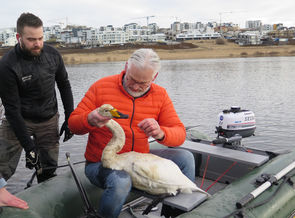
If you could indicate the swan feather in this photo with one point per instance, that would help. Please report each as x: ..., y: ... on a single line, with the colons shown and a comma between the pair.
x: 149, y: 172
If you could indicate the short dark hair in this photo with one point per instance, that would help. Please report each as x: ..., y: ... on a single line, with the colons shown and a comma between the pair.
x: 27, y: 19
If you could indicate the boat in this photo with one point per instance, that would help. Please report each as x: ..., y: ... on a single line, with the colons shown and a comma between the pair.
x: 242, y: 181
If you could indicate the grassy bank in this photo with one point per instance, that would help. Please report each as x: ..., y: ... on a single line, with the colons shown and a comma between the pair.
x: 202, y: 49
x: 194, y: 49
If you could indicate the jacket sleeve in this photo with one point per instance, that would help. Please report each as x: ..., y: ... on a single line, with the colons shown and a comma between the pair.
x: 78, y: 122
x: 170, y: 123
x: 11, y: 102
x: 65, y: 89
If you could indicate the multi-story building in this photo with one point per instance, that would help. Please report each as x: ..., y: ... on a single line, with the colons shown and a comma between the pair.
x: 8, y: 37
x: 267, y: 27
x: 111, y: 37
x: 132, y: 32
x: 254, y: 24
x: 153, y: 27
x: 131, y: 26
x: 249, y: 38
x: 177, y: 27
x: 282, y: 34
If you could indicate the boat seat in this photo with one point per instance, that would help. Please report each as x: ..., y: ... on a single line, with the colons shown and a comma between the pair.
x: 185, y: 202
x: 182, y: 202
x: 225, y: 153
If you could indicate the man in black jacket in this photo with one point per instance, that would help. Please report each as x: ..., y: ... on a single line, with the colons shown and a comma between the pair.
x: 28, y: 74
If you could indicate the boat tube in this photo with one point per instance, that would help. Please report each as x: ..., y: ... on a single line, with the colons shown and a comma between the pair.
x: 227, y: 173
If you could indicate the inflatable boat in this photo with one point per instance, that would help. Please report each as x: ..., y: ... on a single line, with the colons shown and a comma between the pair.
x: 242, y: 182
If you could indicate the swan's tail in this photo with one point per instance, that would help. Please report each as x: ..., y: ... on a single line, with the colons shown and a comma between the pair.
x: 195, y: 188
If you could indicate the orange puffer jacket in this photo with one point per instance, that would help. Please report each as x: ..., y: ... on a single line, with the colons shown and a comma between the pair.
x: 154, y: 104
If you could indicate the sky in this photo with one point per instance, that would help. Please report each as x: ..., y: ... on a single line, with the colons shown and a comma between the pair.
x: 96, y: 13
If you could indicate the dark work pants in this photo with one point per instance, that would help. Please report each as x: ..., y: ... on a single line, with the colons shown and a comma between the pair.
x: 46, y: 141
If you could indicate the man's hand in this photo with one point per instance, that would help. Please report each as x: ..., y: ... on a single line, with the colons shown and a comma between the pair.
x: 151, y: 128
x: 95, y: 119
x: 68, y: 133
x: 33, y: 161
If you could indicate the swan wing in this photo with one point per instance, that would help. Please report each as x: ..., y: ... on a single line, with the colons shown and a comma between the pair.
x: 158, y: 175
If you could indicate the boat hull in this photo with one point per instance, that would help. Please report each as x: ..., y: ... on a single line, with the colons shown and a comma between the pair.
x: 223, y: 203
x: 57, y: 198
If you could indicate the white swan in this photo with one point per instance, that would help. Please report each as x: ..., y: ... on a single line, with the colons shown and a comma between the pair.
x: 149, y: 172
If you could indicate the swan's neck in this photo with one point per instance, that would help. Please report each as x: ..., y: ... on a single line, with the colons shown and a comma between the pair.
x: 115, y: 144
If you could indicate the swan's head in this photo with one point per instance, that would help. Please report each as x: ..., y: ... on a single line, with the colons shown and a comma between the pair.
x: 108, y: 110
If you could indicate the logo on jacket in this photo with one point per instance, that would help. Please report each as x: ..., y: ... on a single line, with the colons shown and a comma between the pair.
x: 26, y: 78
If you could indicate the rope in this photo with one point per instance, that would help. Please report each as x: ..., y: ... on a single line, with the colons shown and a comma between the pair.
x: 205, y: 171
x: 210, y: 186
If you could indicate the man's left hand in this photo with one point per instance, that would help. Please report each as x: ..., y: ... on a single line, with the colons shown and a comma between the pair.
x: 68, y: 133
x: 151, y: 128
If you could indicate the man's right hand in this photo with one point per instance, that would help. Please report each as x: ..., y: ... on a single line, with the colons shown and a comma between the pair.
x: 95, y: 119
x: 33, y: 161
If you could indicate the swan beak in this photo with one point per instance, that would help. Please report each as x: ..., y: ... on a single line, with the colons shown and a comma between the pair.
x: 118, y: 114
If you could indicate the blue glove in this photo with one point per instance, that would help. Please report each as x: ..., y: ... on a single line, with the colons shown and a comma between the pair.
x: 68, y: 133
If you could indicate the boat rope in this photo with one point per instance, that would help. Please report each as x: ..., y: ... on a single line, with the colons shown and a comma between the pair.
x: 240, y: 212
x: 222, y: 175
x: 205, y: 171
x: 231, y: 166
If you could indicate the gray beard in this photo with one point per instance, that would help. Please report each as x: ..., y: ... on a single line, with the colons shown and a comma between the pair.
x: 132, y: 93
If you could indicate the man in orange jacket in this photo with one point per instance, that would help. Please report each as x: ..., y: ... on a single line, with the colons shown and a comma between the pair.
x: 151, y: 114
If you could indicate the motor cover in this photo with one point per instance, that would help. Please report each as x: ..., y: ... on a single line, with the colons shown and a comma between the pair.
x: 236, y: 121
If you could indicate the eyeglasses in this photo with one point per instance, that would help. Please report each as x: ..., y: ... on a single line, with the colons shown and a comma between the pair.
x: 132, y: 81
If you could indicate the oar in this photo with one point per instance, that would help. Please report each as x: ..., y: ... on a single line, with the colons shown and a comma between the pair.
x: 89, y: 211
x: 252, y: 195
x: 30, y: 182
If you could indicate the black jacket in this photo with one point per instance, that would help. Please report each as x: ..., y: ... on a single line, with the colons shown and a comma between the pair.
x: 27, y: 89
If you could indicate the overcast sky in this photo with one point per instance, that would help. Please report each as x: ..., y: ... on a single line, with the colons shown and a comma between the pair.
x: 96, y: 13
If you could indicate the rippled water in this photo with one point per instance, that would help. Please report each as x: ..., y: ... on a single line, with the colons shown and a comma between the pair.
x: 200, y: 89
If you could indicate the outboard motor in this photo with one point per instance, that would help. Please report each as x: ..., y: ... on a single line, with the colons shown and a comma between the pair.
x: 236, y: 122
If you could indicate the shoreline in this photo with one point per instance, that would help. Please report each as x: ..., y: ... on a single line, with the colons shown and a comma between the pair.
x: 192, y: 49
x: 204, y: 49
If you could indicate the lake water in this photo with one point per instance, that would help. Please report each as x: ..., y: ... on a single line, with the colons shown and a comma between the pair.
x: 200, y: 89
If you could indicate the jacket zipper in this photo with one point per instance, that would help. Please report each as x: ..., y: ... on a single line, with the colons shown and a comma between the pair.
x: 133, y: 101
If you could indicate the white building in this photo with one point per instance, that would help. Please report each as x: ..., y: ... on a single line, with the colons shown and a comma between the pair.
x: 267, y: 27
x: 249, y: 38
x: 112, y: 37
x: 196, y: 35
x: 159, y: 37
x: 90, y: 36
x: 10, y: 41
x: 177, y: 27
x: 66, y: 36
x: 153, y: 27
x: 131, y: 26
x: 8, y: 37
x: 254, y: 24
